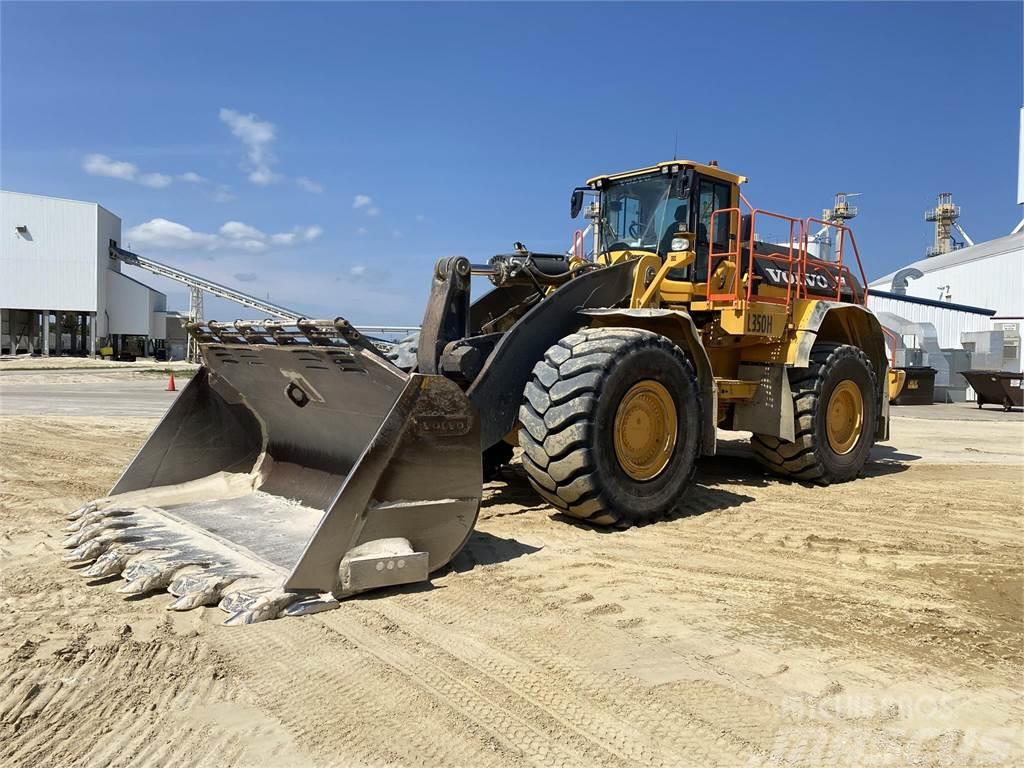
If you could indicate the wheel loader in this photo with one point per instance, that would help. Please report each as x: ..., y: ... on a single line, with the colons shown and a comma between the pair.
x: 300, y: 465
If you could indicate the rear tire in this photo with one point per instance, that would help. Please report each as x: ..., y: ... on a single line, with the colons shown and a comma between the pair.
x: 611, y: 426
x: 839, y: 385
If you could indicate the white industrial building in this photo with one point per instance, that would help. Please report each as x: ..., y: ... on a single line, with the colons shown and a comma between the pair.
x: 989, y: 274
x: 960, y: 310
x: 60, y: 292
x: 975, y: 289
x: 962, y: 306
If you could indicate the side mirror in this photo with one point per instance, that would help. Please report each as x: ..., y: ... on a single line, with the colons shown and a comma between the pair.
x: 684, y: 182
x: 576, y: 203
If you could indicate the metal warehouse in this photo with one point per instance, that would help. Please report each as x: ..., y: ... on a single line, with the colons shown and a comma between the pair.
x: 973, y: 298
x: 989, y: 274
x: 61, y: 293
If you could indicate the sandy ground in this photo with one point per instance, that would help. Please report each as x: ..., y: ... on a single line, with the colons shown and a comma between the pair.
x: 873, y: 623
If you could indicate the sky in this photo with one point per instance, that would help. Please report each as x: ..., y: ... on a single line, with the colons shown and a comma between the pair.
x: 327, y: 154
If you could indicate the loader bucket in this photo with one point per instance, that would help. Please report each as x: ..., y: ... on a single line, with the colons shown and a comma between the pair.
x: 298, y: 466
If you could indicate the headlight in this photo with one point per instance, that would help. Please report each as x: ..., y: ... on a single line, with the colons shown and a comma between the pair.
x: 680, y: 244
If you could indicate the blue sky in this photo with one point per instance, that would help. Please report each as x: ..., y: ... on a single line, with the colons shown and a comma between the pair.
x: 329, y: 153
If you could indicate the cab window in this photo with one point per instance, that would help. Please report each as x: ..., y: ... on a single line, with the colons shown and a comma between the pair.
x: 713, y: 196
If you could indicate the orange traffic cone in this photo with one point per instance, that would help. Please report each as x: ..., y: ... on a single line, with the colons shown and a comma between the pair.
x: 170, y: 384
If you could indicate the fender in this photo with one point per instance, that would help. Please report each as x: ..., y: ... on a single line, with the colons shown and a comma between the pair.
x: 847, y: 324
x: 680, y: 328
x: 497, y: 391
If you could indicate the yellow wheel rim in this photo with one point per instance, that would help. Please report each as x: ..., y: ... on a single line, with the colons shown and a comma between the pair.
x: 646, y: 428
x: 845, y: 417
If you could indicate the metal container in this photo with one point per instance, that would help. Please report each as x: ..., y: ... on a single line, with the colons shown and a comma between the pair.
x: 920, y: 386
x: 996, y: 388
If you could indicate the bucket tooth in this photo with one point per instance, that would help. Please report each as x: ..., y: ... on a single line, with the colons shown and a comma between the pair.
x: 269, y: 605
x: 238, y: 601
x: 95, y: 516
x: 82, y: 510
x: 193, y: 590
x: 313, y: 604
x: 150, y: 575
x: 92, y: 531
x: 111, y: 562
x: 89, y: 550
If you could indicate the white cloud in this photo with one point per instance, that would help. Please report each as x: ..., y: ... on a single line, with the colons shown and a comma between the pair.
x: 223, y: 195
x: 309, y: 185
x: 365, y: 204
x: 257, y: 136
x: 362, y: 231
x: 236, y: 230
x: 161, y: 233
x: 420, y: 217
x: 360, y: 273
x: 246, y: 277
x: 283, y: 238
x: 233, y: 235
x: 155, y: 180
x: 101, y: 165
x: 96, y: 164
x: 397, y: 234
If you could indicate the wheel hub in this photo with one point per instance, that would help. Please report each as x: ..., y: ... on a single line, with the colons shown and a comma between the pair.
x: 845, y: 417
x: 646, y: 428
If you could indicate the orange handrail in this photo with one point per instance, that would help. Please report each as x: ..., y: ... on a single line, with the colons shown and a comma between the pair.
x: 794, y: 286
x: 842, y: 232
x: 729, y: 255
x: 795, y: 260
x: 793, y: 257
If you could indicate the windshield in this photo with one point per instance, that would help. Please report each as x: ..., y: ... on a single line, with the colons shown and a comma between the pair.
x: 642, y: 213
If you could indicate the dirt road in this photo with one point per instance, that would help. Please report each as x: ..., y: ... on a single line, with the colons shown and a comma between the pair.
x: 877, y: 623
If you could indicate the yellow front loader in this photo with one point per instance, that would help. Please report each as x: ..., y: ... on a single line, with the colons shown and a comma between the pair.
x: 300, y: 465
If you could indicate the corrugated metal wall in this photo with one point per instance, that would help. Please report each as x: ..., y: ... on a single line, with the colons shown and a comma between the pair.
x: 992, y: 278
x: 949, y: 323
x: 131, y: 305
x: 55, y: 264
x: 62, y: 263
x: 993, y: 283
x: 108, y: 228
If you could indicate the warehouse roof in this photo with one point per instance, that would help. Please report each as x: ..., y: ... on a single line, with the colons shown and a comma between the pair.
x: 60, y: 199
x: 930, y: 302
x: 986, y: 250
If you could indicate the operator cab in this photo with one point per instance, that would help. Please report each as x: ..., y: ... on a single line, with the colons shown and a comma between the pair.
x: 665, y: 208
x: 668, y: 210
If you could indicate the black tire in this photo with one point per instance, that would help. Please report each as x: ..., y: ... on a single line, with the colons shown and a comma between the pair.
x: 567, y: 425
x: 810, y: 457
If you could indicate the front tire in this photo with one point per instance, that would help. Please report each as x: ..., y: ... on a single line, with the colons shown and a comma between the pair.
x: 611, y: 425
x: 835, y: 406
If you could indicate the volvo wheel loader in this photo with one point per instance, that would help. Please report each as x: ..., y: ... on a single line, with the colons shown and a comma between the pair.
x: 300, y: 465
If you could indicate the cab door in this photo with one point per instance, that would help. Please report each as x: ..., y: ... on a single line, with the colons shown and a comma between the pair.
x: 712, y: 195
